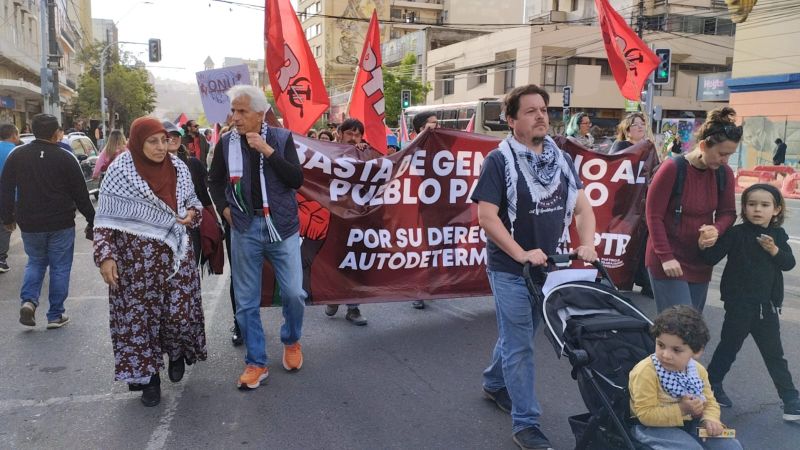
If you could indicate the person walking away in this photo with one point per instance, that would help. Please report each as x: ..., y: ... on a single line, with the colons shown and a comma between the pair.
x: 752, y: 291
x: 670, y: 396
x: 115, y: 144
x: 527, y: 193
x: 142, y: 248
x: 9, y: 138
x: 40, y: 189
x: 678, y: 273
x: 780, y: 153
x: 253, y: 182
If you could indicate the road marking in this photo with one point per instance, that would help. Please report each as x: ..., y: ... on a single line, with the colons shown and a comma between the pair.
x: 6, y: 405
x: 158, y: 440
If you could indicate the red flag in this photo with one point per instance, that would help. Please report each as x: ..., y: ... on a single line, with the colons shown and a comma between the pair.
x: 366, y: 102
x: 403, y: 128
x: 293, y: 73
x: 181, y: 120
x: 630, y: 60
x: 471, y: 125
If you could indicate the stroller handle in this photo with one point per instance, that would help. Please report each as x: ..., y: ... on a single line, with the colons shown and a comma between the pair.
x: 553, y: 260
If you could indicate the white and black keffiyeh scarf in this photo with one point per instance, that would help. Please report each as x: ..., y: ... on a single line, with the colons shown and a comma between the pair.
x: 678, y: 384
x: 541, y: 172
x: 236, y: 170
x: 127, y: 204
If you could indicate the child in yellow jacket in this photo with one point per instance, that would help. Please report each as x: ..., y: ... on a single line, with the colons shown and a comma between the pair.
x: 670, y: 392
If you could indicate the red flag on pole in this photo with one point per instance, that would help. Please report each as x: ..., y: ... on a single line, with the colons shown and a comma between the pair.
x: 471, y: 125
x: 630, y: 60
x: 293, y: 73
x: 366, y: 102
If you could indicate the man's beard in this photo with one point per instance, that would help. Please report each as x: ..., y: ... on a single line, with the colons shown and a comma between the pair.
x: 537, y: 140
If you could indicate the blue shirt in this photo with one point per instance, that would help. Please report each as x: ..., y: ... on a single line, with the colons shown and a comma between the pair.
x: 537, y: 226
x: 5, y: 150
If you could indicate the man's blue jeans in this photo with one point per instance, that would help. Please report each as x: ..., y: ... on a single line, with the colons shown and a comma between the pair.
x: 248, y: 251
x: 53, y: 249
x: 512, y: 359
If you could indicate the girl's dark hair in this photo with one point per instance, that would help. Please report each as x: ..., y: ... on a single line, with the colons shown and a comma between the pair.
x: 685, y: 322
x: 776, y: 196
x: 720, y: 126
x: 326, y: 133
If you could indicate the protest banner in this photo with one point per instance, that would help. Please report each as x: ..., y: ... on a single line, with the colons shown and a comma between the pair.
x: 214, y: 84
x: 402, y: 227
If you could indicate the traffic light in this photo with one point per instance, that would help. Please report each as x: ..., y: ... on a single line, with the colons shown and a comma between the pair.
x: 662, y: 71
x: 155, y: 50
x: 405, y: 98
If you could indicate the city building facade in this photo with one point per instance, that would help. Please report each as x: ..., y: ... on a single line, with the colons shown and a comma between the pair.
x: 562, y: 46
x: 21, y: 56
x: 765, y: 83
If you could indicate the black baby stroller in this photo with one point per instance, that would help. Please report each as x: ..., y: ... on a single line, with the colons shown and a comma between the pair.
x: 603, y: 335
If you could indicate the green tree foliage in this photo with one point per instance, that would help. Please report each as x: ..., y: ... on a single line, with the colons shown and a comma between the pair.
x: 127, y: 88
x: 395, y: 79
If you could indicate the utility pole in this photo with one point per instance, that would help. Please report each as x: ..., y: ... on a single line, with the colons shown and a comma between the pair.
x: 640, y: 19
x: 44, y: 46
x: 54, y: 60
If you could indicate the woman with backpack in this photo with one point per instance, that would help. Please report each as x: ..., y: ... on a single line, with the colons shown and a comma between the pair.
x: 691, y: 197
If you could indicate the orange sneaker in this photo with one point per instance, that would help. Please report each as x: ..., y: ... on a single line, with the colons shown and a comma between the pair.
x: 252, y: 377
x: 292, y: 356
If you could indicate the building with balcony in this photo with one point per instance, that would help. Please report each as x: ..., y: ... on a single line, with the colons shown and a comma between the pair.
x: 563, y: 47
x: 21, y: 51
x: 415, y: 26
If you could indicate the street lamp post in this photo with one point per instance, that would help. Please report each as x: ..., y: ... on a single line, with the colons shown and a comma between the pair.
x: 103, y: 91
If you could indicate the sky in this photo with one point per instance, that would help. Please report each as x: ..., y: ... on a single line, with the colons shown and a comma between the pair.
x: 190, y: 31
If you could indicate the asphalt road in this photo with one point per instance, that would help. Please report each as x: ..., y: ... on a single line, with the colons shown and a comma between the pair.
x: 410, y: 379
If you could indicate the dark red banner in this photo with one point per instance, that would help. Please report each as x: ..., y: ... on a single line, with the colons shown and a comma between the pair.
x: 402, y: 227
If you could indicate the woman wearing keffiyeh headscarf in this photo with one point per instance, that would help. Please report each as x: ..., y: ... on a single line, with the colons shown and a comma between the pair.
x: 141, y: 244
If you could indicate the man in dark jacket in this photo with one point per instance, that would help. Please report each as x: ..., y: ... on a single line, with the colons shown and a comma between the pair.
x: 253, y: 178
x: 41, y: 186
x: 780, y: 153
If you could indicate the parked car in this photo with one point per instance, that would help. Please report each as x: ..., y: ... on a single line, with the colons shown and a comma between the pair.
x: 84, y: 150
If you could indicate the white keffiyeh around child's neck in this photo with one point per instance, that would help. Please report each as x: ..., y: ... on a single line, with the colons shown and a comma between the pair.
x: 236, y: 170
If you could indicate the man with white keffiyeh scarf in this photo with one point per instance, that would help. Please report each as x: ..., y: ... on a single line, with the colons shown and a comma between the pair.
x: 253, y: 178
x: 528, y: 193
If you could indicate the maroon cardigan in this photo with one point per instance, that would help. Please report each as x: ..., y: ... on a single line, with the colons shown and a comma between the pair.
x: 668, y: 241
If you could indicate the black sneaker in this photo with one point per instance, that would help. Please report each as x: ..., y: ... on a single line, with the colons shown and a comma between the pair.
x: 4, y: 266
x: 354, y: 316
x: 722, y: 398
x: 176, y: 369
x: 791, y: 410
x: 500, y: 398
x: 330, y: 310
x: 236, y: 335
x: 531, y: 438
x: 418, y: 304
x: 151, y: 394
x: 27, y: 314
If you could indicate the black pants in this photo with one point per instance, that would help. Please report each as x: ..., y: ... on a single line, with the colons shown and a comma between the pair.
x: 227, y: 229
x: 740, y: 321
